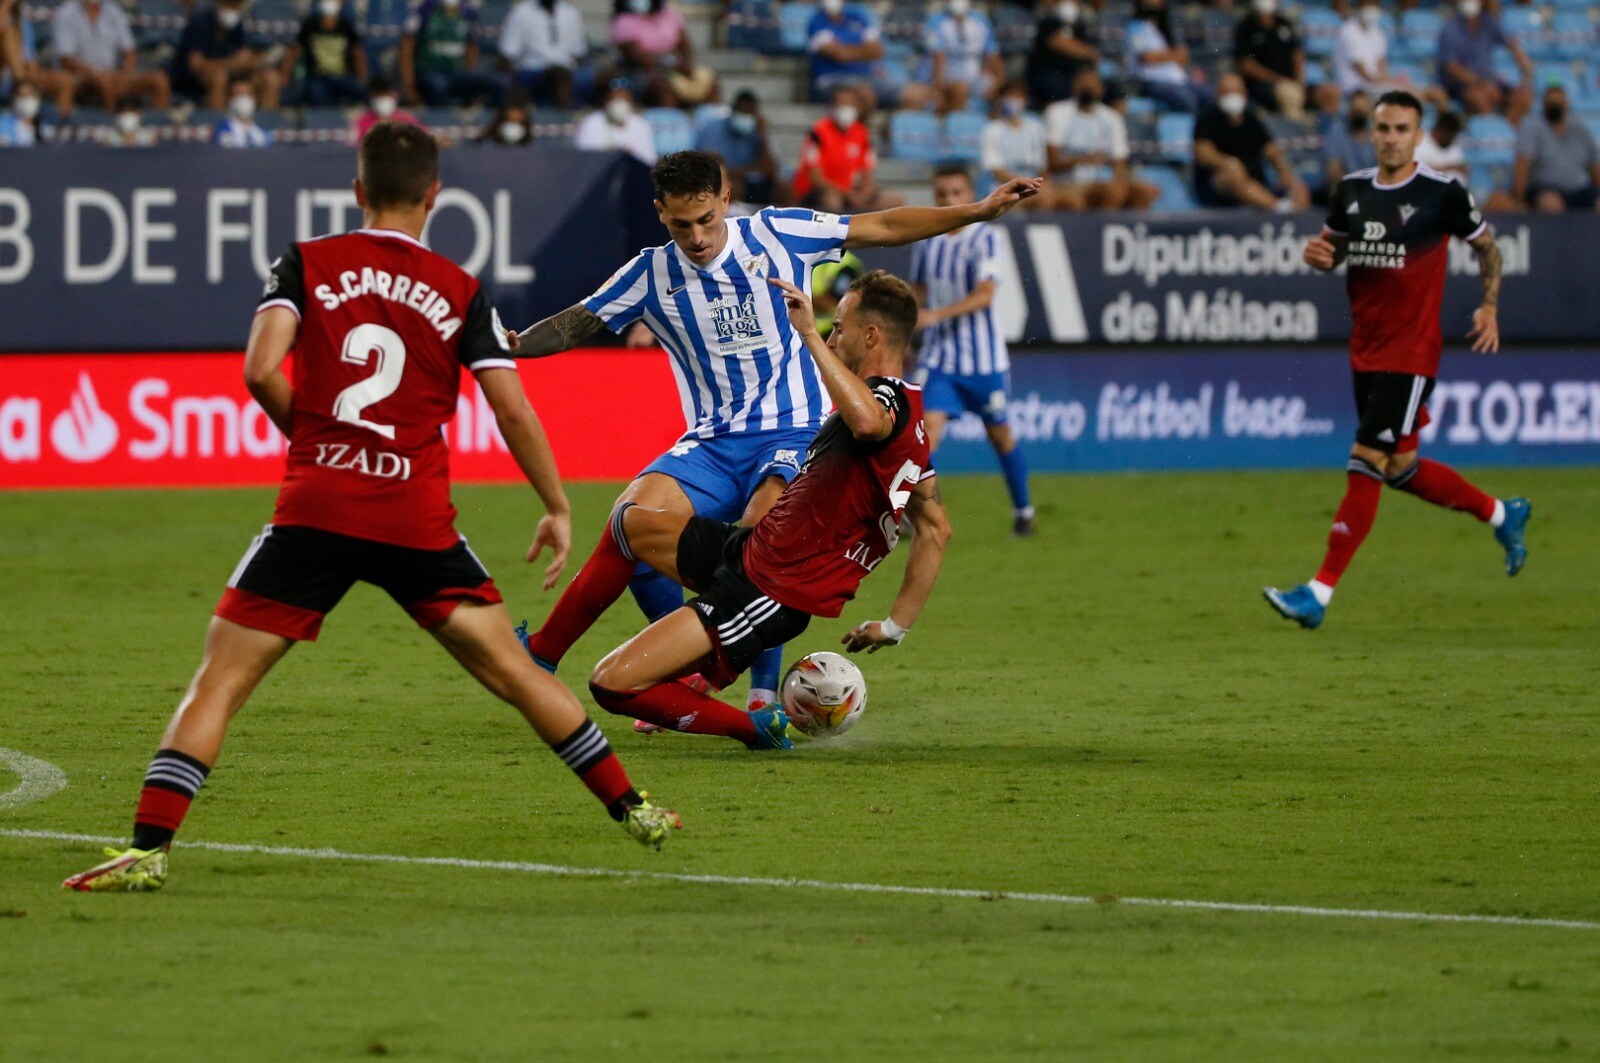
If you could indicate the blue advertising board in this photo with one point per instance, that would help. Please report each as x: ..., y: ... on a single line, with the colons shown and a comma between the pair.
x: 1277, y: 408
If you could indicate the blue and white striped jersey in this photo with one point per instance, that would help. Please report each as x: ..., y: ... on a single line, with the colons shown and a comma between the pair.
x: 949, y: 267
x: 739, y: 365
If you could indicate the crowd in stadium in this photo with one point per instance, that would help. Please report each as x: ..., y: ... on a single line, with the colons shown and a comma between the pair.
x: 1123, y: 106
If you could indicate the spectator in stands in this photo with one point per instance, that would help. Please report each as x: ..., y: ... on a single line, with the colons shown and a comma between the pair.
x: 1557, y: 167
x: 1159, y: 68
x: 438, y: 57
x: 739, y: 139
x: 1466, y: 63
x: 93, y: 41
x: 1267, y: 51
x: 214, y: 52
x: 509, y: 127
x: 1088, y: 145
x: 1361, y: 50
x: 1348, y: 147
x: 837, y: 163
x: 1441, y: 147
x: 128, y: 128
x: 656, y: 54
x: 383, y: 105
x: 239, y: 129
x: 19, y: 55
x: 1061, y: 48
x: 1231, y: 149
x: 963, y: 57
x: 844, y: 43
x: 617, y: 126
x: 19, y: 127
x: 1013, y: 145
x: 336, y: 63
x: 544, y: 43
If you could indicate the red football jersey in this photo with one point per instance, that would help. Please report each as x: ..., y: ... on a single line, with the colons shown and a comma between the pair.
x: 1399, y: 246
x: 385, y: 327
x: 841, y: 516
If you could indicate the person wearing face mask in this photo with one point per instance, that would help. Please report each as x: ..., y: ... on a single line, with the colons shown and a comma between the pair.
x: 544, y: 43
x: 508, y: 127
x: 335, y: 61
x: 438, y: 56
x: 655, y: 51
x: 845, y: 49
x: 1062, y: 46
x: 1267, y: 51
x: 1348, y: 147
x: 617, y: 126
x: 1557, y: 167
x: 215, y: 51
x: 1231, y: 149
x: 127, y: 127
x: 1467, y: 45
x: 1361, y: 50
x: 383, y: 105
x: 19, y: 127
x: 963, y: 57
x: 239, y: 129
x: 837, y: 163
x: 1441, y: 150
x: 1013, y: 145
x: 93, y: 42
x: 739, y: 139
x: 1159, y: 67
x: 1088, y: 149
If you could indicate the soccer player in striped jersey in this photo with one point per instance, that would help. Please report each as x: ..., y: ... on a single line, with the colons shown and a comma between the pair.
x: 752, y: 394
x: 964, y: 364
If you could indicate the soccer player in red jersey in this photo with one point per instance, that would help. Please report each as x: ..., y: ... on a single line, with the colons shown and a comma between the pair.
x: 760, y: 586
x: 1391, y: 226
x: 380, y: 328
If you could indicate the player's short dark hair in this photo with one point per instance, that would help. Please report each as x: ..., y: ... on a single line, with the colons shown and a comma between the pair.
x: 890, y: 302
x: 399, y: 163
x: 953, y: 168
x: 1448, y: 121
x: 1400, y: 98
x: 687, y: 173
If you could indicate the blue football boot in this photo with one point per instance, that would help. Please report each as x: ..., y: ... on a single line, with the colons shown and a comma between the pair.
x: 1510, y: 533
x: 1299, y: 605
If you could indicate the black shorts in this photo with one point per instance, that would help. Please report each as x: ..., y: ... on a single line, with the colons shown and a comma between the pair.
x: 292, y: 577
x: 739, y: 618
x: 1393, y: 408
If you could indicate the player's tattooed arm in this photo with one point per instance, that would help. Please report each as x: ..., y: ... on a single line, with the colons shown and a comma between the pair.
x: 930, y: 534
x: 556, y: 333
x: 1485, y: 332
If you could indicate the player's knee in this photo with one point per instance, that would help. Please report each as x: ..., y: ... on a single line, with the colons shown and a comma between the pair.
x: 604, y: 696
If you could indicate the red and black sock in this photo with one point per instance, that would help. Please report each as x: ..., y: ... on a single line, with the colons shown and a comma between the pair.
x: 1357, y: 512
x: 169, y: 786
x: 1436, y: 482
x: 679, y: 708
x: 601, y: 581
x: 587, y: 753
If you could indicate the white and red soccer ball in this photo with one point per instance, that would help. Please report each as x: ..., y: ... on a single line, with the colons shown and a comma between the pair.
x: 824, y: 694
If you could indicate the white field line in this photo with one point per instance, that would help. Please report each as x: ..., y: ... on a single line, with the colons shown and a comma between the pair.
x: 39, y: 778
x: 816, y: 884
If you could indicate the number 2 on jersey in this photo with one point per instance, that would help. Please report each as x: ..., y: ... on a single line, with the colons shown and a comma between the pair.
x: 361, y: 345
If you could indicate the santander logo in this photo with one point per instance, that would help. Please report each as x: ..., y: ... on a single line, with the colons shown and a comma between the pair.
x: 83, y: 431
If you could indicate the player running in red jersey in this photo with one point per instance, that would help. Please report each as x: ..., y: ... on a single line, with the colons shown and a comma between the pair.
x: 760, y: 586
x: 380, y: 327
x: 1391, y: 225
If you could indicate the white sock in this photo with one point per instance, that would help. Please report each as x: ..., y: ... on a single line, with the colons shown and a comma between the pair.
x: 1321, y: 591
x: 1499, y: 517
x: 757, y: 694
x: 1026, y: 512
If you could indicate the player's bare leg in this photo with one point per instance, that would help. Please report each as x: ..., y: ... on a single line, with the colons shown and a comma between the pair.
x: 638, y: 679
x: 765, y: 672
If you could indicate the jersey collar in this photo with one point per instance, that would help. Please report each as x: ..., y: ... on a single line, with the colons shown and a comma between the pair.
x: 1416, y: 168
x: 393, y: 234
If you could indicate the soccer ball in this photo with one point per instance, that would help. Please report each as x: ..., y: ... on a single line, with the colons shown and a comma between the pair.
x: 824, y: 694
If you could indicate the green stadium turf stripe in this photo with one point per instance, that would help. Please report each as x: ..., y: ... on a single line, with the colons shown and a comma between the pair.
x: 818, y: 884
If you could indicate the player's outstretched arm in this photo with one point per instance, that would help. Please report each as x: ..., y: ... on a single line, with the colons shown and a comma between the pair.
x: 907, y: 225
x: 931, y: 534
x: 272, y: 335
x: 863, y: 414
x: 526, y: 440
x: 1485, y: 333
x: 556, y: 333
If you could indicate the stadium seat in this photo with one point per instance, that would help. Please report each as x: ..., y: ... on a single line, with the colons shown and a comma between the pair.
x: 275, y: 21
x: 1527, y: 25
x: 672, y: 128
x: 1142, y: 106
x: 753, y: 25
x: 1318, y: 27
x: 1490, y: 140
x: 915, y: 135
x: 1175, y: 133
x: 706, y: 114
x: 1175, y: 191
x: 158, y: 22
x: 491, y: 16
x: 794, y: 19
x: 963, y: 133
x: 1013, y: 29
x: 902, y: 23
x: 1574, y: 37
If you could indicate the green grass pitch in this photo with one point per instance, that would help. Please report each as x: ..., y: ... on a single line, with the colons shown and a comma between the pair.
x: 1109, y: 710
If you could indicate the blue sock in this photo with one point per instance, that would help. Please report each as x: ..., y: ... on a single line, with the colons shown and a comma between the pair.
x: 1015, y: 468
x: 764, y: 673
x: 656, y: 594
